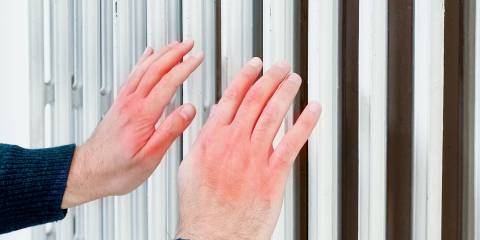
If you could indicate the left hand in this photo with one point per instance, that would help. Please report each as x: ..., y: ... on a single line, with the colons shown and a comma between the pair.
x: 231, y: 183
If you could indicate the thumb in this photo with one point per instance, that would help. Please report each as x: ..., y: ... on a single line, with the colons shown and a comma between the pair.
x: 167, y: 132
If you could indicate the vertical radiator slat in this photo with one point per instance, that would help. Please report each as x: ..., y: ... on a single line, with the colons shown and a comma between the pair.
x: 62, y: 79
x: 37, y: 74
x: 278, y: 43
x: 323, y: 145
x: 138, y: 24
x: 236, y: 37
x: 199, y: 25
x: 77, y: 105
x: 91, y: 83
x: 428, y: 119
x: 163, y: 26
x: 107, y: 92
x: 122, y: 65
x: 129, y: 43
x: 37, y: 84
x: 372, y: 118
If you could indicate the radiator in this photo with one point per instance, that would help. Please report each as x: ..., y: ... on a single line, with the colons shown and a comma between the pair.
x: 395, y: 155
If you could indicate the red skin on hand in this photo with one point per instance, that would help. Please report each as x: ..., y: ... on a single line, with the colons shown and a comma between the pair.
x: 127, y: 146
x: 232, y: 182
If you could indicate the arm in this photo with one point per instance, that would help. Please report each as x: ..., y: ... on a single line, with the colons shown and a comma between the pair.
x: 232, y: 183
x: 126, y: 147
x: 32, y: 183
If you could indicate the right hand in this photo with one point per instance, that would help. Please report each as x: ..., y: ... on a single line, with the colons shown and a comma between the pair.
x: 129, y: 143
x: 231, y: 184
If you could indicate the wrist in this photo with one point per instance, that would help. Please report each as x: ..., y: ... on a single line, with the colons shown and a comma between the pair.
x: 78, y: 188
x: 184, y: 235
x: 206, y: 233
x: 190, y: 234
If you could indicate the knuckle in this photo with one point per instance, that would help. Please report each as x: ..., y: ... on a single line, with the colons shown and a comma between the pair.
x: 169, y: 78
x: 288, y: 146
x: 155, y: 69
x: 269, y: 116
x: 182, y: 119
x: 307, y: 123
x: 254, y: 95
x: 171, y: 131
x: 231, y: 94
x: 281, y: 161
x: 168, y: 83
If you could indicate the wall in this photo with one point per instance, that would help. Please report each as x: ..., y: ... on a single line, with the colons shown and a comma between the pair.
x: 14, y: 106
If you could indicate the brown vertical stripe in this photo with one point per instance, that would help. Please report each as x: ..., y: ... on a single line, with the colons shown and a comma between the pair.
x: 257, y: 29
x: 399, y: 119
x: 301, y: 67
x: 349, y: 133
x: 453, y: 159
x: 218, y: 49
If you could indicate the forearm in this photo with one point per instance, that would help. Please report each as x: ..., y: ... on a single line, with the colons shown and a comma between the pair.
x: 32, y: 184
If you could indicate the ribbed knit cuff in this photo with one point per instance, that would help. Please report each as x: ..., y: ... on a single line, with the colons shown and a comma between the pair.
x: 32, y: 184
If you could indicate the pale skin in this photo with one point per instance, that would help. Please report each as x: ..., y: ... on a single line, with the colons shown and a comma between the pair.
x: 129, y: 143
x: 231, y: 183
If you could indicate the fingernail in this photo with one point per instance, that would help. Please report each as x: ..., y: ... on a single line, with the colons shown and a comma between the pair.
x: 187, y: 42
x: 283, y: 64
x: 295, y: 78
x: 147, y: 51
x: 199, y: 54
x: 255, y: 62
x: 187, y: 111
x: 315, y: 107
x: 173, y: 43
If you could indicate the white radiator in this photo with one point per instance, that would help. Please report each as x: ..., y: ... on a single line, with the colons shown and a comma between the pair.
x: 81, y: 51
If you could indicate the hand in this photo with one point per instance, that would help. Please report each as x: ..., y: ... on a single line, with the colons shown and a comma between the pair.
x: 231, y: 184
x: 127, y: 146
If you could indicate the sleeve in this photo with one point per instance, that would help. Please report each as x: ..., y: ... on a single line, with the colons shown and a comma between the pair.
x: 32, y: 184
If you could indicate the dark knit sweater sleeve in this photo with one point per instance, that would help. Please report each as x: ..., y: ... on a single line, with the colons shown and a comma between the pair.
x: 32, y: 183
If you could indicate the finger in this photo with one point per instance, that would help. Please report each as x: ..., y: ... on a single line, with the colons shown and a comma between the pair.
x: 162, y: 66
x: 166, y: 133
x: 259, y: 94
x: 161, y: 95
x: 272, y: 116
x: 234, y: 94
x: 293, y: 141
x: 148, y: 52
x: 137, y: 74
x: 212, y: 109
x: 209, y: 123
